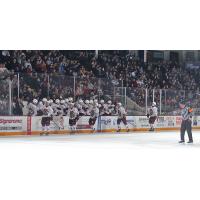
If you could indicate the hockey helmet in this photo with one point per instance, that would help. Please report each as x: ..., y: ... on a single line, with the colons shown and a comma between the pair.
x: 50, y: 101
x: 154, y: 103
x: 91, y: 101
x: 119, y: 104
x: 70, y: 99
x: 57, y: 101
x: 44, y: 100
x: 102, y: 101
x: 71, y: 105
x: 87, y: 101
x: 35, y: 101
x: 40, y: 103
x: 109, y: 102
x: 62, y: 101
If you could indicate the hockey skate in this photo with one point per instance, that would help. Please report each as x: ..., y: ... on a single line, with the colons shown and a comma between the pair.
x: 118, y: 130
x: 151, y: 129
x: 71, y: 133
x: 43, y: 133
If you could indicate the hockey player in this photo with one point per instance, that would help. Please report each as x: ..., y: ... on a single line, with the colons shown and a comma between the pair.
x: 186, y: 123
x: 66, y: 101
x: 96, y: 101
x: 91, y: 105
x: 121, y: 117
x: 73, y: 117
x: 86, y: 107
x: 50, y: 102
x: 40, y: 108
x: 80, y: 107
x: 101, y: 107
x: 62, y: 107
x: 70, y: 100
x: 32, y: 108
x: 44, y: 100
x: 66, y: 104
x: 58, y: 113
x: 93, y: 116
x: 46, y: 118
x: 57, y: 108
x: 152, y: 115
x: 108, y: 108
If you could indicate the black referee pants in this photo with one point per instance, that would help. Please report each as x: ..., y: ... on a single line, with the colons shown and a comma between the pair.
x: 186, y: 125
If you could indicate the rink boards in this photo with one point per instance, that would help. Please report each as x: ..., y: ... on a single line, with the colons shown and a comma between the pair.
x: 26, y: 125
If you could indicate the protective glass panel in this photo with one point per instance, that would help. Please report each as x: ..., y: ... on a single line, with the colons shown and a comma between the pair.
x: 61, y: 86
x: 136, y: 101
x: 33, y: 85
x: 172, y: 99
x: 193, y: 99
x: 4, y: 97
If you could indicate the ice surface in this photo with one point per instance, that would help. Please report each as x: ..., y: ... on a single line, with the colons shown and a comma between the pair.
x: 130, y: 140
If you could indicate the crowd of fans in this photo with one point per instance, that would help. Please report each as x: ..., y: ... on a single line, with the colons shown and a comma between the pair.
x: 53, y: 74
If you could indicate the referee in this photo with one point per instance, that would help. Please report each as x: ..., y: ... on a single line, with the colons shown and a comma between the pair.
x: 186, y: 124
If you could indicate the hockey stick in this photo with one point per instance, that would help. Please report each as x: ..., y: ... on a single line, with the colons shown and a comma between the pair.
x: 57, y: 124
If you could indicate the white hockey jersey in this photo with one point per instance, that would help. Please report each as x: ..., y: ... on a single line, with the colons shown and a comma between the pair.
x: 47, y: 111
x: 86, y: 109
x: 121, y: 112
x: 102, y: 109
x: 62, y: 109
x: 80, y: 108
x: 73, y: 113
x: 153, y: 111
x: 94, y: 112
x: 32, y: 109
x: 57, y: 110
x: 108, y: 109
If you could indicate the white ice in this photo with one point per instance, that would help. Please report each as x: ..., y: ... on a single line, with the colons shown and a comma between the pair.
x: 131, y: 140
x: 100, y: 166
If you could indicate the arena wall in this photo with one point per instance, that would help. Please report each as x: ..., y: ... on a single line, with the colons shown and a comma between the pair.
x: 25, y: 125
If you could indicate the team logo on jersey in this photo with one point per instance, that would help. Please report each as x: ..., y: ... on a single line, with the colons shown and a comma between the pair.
x: 72, y: 114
